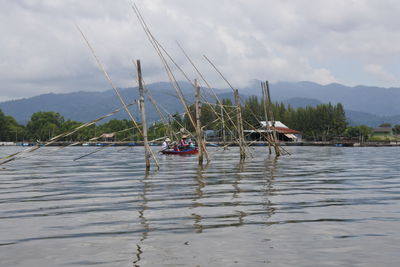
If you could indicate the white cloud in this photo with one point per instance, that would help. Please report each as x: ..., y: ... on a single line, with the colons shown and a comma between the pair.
x: 378, y: 72
x: 276, y: 40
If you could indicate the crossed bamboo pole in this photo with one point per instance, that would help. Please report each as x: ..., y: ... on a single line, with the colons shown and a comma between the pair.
x: 168, y: 70
x: 102, y: 68
x: 53, y: 140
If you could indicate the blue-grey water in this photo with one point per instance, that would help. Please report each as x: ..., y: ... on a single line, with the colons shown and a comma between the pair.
x: 321, y: 206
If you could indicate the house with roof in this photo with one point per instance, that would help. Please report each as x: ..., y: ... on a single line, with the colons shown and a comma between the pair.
x: 284, y: 133
x: 382, y: 132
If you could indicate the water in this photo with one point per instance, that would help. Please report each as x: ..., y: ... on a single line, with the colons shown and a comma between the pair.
x: 321, y: 206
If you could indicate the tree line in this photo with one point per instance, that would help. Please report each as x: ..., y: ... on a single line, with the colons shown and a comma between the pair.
x: 320, y: 123
x: 44, y: 125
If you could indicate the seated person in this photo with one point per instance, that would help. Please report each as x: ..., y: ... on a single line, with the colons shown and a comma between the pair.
x: 184, y: 144
x: 175, y: 146
x: 165, y: 144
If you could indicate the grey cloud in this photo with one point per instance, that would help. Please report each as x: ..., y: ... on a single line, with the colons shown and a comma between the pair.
x: 277, y: 40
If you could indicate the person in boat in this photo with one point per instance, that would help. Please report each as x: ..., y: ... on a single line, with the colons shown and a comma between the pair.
x: 183, y: 145
x: 175, y: 146
x: 191, y: 144
x: 165, y: 144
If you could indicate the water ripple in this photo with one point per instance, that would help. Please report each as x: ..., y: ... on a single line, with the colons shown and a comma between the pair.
x: 321, y: 203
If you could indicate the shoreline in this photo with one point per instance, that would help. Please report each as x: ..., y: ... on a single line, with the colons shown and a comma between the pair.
x: 218, y: 144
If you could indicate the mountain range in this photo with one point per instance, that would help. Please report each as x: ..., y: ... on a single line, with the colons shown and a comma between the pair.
x: 363, y: 104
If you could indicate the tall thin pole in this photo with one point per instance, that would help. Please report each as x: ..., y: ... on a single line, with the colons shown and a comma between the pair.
x: 271, y: 116
x: 199, y: 134
x: 239, y: 125
x: 143, y: 116
x: 170, y: 74
x: 265, y: 100
x: 223, y: 126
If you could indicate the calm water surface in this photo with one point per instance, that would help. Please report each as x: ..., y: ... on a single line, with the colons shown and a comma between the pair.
x: 321, y: 206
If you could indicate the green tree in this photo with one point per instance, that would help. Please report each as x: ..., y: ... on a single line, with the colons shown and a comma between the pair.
x: 117, y: 126
x: 358, y: 132
x: 252, y: 112
x: 396, y: 129
x: 44, y: 125
x: 10, y: 130
x: 176, y: 122
x: 70, y: 125
x: 157, y: 130
x: 385, y: 124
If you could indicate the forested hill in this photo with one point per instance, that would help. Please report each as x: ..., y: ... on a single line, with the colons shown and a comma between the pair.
x: 364, y: 105
x: 373, y: 100
x: 86, y: 106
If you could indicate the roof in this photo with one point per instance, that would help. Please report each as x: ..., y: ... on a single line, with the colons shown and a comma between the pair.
x: 281, y: 130
x: 286, y: 130
x: 280, y: 127
x: 108, y: 135
x: 277, y: 124
x: 383, y: 130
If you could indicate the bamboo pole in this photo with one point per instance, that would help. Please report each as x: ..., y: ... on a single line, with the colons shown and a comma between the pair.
x: 271, y: 116
x: 143, y: 116
x: 170, y: 74
x: 239, y: 125
x: 199, y: 131
x: 102, y: 68
x: 223, y: 127
x: 56, y: 138
x: 264, y: 99
x: 212, y: 91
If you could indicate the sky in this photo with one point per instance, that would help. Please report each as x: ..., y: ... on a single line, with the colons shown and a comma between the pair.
x: 352, y: 42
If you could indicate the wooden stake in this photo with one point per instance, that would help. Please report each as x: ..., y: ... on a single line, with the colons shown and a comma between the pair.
x: 143, y: 116
x: 240, y: 125
x: 271, y: 116
x: 199, y: 131
x: 102, y: 68
x: 223, y: 126
x: 264, y: 99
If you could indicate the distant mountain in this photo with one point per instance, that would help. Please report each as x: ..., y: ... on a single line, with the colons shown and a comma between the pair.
x: 300, y: 102
x: 364, y: 105
x: 86, y: 106
x: 374, y: 100
x: 362, y: 118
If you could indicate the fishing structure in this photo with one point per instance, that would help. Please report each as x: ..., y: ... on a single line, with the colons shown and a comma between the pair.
x: 218, y: 108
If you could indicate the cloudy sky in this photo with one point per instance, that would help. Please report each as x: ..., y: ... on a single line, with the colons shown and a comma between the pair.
x: 351, y: 42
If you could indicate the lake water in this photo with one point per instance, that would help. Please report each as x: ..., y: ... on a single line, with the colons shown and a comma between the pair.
x: 321, y: 206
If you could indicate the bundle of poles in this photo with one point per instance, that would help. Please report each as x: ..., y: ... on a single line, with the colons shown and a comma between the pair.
x: 218, y: 108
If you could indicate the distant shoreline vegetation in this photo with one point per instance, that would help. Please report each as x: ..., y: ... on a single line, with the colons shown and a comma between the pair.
x: 324, y: 122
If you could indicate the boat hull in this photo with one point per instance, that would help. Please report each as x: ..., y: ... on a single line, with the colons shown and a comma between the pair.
x: 183, y: 152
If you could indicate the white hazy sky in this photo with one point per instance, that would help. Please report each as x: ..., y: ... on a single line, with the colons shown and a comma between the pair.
x: 347, y: 41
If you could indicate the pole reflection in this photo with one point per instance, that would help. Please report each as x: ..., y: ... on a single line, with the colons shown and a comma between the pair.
x: 237, y: 191
x: 142, y: 218
x: 197, y: 199
x: 271, y: 165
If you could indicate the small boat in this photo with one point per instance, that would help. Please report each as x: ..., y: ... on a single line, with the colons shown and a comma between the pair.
x: 213, y: 145
x: 259, y: 144
x: 189, y: 151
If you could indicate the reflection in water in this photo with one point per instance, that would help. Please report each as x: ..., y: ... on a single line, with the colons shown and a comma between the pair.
x: 271, y: 164
x: 330, y: 205
x: 236, y: 193
x: 197, y: 198
x: 142, y: 218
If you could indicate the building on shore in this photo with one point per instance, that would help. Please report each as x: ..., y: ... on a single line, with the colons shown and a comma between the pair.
x: 382, y: 132
x: 284, y: 133
x: 7, y: 144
